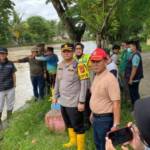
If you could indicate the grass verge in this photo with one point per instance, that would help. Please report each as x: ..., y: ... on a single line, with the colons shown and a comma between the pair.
x: 27, y: 130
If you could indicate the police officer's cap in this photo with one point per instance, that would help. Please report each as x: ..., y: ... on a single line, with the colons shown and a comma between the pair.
x: 67, y: 46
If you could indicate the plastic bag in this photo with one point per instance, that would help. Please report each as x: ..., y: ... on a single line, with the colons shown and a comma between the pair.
x: 54, y: 120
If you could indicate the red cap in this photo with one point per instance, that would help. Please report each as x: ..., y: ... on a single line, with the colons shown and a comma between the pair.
x: 98, y: 54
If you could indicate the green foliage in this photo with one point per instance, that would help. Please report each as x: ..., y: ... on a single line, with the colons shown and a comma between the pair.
x: 27, y: 130
x: 35, y: 29
x: 6, y: 7
x: 38, y: 26
x: 132, y: 16
x: 15, y: 31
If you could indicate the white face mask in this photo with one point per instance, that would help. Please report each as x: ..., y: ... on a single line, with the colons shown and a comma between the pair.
x: 129, y: 49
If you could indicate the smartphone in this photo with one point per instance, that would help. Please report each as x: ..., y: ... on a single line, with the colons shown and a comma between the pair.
x: 121, y: 136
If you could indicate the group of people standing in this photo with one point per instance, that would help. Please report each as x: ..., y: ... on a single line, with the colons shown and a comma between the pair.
x: 43, y: 66
x: 85, y: 85
x: 98, y: 76
x: 75, y: 90
x: 130, y: 68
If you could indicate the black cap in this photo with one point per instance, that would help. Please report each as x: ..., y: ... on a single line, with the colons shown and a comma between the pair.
x: 51, y: 49
x: 67, y: 46
x: 142, y: 118
x: 3, y: 50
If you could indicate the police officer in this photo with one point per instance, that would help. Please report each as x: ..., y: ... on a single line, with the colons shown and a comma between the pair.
x: 70, y: 92
x: 83, y: 59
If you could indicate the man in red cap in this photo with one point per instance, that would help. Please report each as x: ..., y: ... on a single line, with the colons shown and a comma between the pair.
x: 105, y: 99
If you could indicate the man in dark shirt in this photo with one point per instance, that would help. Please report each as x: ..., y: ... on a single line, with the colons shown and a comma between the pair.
x: 7, y: 83
x: 36, y: 73
x: 134, y: 72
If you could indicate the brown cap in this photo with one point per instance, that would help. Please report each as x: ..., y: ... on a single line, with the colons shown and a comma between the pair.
x: 35, y: 49
x: 67, y: 46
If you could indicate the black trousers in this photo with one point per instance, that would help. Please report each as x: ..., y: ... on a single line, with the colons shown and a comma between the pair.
x: 50, y: 79
x: 134, y: 92
x: 73, y: 119
x: 87, y: 111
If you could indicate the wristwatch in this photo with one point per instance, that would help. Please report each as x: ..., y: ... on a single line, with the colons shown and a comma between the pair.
x: 116, y: 125
x: 82, y: 102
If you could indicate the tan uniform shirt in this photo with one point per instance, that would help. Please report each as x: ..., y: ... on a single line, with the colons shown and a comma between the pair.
x: 69, y: 89
x: 105, y: 89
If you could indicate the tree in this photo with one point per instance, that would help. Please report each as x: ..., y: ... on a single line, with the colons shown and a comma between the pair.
x: 39, y: 27
x: 99, y: 17
x: 85, y: 12
x: 52, y: 29
x: 6, y: 7
x: 132, y: 16
x: 16, y: 27
x: 109, y: 20
x: 72, y: 21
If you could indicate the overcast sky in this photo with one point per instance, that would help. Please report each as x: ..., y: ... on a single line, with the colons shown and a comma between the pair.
x: 27, y: 8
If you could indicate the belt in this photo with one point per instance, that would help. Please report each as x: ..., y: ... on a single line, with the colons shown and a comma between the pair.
x: 103, y: 115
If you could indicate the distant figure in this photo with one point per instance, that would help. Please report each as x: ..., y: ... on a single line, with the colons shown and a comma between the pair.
x: 36, y: 72
x: 51, y: 60
x: 7, y: 83
x: 134, y: 72
x: 115, y: 54
x: 112, y: 67
x: 41, y: 48
x: 124, y: 56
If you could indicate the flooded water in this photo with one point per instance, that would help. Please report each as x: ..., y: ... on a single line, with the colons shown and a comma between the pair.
x: 23, y: 84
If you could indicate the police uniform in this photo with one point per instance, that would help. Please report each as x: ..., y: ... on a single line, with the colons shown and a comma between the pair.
x: 70, y: 90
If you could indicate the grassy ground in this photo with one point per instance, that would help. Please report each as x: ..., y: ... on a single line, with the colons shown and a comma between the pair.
x: 27, y: 130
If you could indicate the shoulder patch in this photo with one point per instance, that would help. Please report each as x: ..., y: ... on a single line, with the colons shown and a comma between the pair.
x: 74, y: 64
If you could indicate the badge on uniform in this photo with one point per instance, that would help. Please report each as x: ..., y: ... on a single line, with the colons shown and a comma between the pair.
x: 82, y: 71
x: 74, y: 64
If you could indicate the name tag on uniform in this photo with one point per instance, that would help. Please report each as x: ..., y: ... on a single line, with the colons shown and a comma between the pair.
x: 82, y: 71
x: 71, y: 70
x: 60, y: 68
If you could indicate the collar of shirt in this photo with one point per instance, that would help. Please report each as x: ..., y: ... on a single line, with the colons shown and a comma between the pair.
x: 102, y: 74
